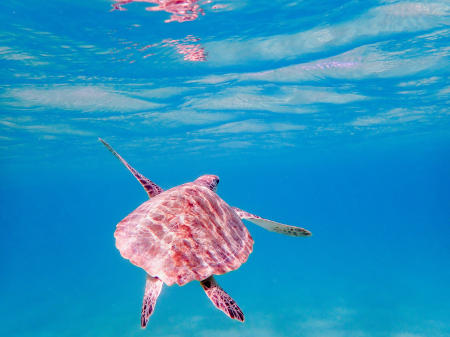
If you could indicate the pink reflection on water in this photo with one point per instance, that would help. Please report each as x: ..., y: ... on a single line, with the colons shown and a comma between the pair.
x: 219, y: 6
x: 188, y: 47
x: 181, y: 10
x: 190, y: 51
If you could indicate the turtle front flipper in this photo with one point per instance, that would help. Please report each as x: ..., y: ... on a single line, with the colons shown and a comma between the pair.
x: 149, y: 186
x: 153, y: 287
x: 272, y: 225
x: 221, y: 299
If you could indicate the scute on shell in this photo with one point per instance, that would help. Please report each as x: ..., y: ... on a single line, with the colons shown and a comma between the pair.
x: 183, y: 234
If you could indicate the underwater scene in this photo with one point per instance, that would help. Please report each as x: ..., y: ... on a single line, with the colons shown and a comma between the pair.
x: 225, y: 168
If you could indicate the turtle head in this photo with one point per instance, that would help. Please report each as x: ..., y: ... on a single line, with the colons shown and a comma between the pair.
x: 208, y: 180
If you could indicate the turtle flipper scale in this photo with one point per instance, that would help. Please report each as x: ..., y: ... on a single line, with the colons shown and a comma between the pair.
x: 272, y: 225
x: 153, y: 286
x: 150, y: 187
x: 221, y: 299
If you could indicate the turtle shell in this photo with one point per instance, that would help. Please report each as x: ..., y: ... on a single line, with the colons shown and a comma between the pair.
x: 183, y: 234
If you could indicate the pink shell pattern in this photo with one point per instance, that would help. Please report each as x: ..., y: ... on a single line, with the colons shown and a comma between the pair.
x: 183, y: 234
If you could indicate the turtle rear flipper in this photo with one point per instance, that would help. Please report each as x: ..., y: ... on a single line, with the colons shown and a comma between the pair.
x: 153, y: 287
x: 272, y: 225
x: 221, y: 299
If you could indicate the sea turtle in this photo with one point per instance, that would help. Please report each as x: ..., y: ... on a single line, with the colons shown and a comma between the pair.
x: 188, y: 233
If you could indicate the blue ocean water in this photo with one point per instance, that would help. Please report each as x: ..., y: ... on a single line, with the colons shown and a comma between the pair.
x: 329, y: 115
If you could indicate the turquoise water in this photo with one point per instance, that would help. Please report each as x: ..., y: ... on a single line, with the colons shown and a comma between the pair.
x: 329, y: 115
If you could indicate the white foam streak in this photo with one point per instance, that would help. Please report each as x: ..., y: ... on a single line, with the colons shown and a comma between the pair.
x: 382, y: 20
x: 84, y: 98
x: 287, y: 99
x: 250, y: 126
